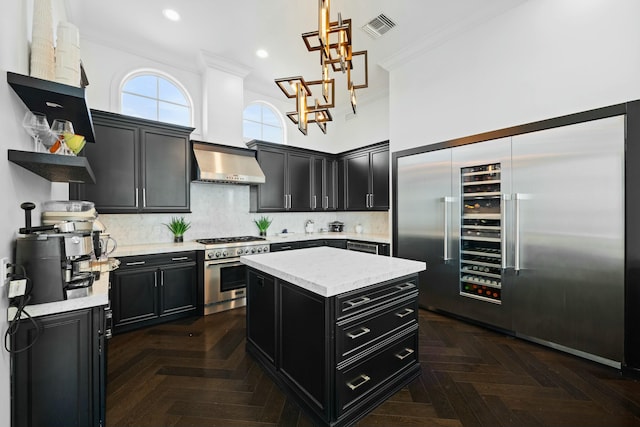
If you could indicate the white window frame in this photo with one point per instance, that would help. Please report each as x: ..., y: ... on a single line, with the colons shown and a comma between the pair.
x: 275, y: 111
x: 161, y: 74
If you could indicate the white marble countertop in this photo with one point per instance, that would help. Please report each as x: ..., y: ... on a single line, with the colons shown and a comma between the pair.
x: 330, y: 271
x: 158, y: 248
x: 99, y: 296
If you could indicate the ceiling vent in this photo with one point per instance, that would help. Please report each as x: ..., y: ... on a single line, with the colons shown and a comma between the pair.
x: 378, y: 26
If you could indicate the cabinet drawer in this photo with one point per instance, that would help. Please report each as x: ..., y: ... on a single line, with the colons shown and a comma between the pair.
x: 357, y: 381
x: 163, y: 259
x: 364, y: 299
x: 356, y: 333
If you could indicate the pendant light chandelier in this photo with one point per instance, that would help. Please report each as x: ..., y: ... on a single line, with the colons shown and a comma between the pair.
x: 333, y: 42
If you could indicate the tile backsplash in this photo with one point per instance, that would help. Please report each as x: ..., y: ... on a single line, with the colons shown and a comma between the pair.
x: 219, y: 210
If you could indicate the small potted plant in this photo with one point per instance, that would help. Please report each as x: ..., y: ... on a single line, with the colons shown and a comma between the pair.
x: 263, y: 223
x: 178, y: 227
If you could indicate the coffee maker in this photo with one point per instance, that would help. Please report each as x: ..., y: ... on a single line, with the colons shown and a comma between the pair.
x: 53, y: 257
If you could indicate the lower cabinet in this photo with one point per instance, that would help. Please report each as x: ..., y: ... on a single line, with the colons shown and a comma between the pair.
x: 60, y: 379
x: 339, y: 357
x: 153, y: 289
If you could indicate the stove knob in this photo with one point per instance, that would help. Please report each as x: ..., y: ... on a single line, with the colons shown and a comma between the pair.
x: 240, y: 251
x: 217, y: 254
x: 210, y: 255
x: 253, y: 250
x: 225, y: 253
x: 265, y: 249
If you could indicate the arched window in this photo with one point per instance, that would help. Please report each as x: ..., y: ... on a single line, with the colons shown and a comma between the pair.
x: 263, y: 122
x: 153, y: 96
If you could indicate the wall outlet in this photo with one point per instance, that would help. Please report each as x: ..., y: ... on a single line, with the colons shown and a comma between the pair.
x: 4, y: 271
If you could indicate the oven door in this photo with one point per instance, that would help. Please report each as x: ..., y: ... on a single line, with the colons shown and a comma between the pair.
x: 225, y: 283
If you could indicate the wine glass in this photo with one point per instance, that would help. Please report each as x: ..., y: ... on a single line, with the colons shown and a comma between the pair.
x: 37, y: 127
x: 61, y: 129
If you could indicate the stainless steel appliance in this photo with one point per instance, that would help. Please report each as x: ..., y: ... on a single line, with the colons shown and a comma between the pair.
x: 53, y: 260
x: 225, y: 164
x: 524, y: 233
x: 224, y: 275
x: 370, y: 248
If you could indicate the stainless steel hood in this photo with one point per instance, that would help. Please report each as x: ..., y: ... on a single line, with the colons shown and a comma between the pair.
x: 225, y: 164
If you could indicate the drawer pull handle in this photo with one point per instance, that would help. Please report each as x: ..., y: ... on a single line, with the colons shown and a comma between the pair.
x: 358, y: 301
x: 405, y: 286
x: 182, y: 258
x: 407, y: 311
x: 408, y: 352
x: 136, y: 263
x: 363, y: 331
x: 362, y: 379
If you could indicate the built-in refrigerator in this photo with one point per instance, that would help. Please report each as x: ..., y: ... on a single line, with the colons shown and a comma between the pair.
x: 524, y: 233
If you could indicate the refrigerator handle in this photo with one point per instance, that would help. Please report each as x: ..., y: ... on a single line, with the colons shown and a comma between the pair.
x: 516, y: 261
x: 503, y: 231
x: 447, y: 200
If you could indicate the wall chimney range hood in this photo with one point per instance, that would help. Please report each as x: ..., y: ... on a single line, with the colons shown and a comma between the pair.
x: 225, y: 164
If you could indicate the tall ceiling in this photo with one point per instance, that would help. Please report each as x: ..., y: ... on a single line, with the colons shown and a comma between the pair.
x: 235, y: 29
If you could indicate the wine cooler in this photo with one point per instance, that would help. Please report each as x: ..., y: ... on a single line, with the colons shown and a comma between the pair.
x: 481, y: 233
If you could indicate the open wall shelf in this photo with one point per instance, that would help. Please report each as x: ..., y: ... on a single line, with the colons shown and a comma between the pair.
x: 54, y: 167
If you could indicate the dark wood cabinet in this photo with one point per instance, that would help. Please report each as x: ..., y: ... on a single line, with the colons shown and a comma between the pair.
x: 153, y: 289
x: 339, y: 357
x: 59, y: 380
x: 296, y: 179
x: 366, y: 178
x: 139, y: 165
x: 288, y: 179
x: 261, y: 310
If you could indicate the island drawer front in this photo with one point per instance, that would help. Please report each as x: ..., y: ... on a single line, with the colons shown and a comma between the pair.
x: 354, y: 334
x: 357, y: 381
x: 350, y: 303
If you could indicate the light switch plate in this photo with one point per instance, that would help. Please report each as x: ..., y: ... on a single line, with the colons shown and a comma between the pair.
x: 4, y: 270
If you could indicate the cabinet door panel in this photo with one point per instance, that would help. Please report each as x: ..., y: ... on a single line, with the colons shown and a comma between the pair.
x: 299, y: 169
x: 330, y: 190
x: 178, y: 286
x: 114, y: 158
x: 54, y: 376
x: 261, y: 313
x: 380, y: 179
x: 134, y: 295
x: 317, y: 184
x: 165, y: 172
x: 357, y: 182
x: 272, y: 192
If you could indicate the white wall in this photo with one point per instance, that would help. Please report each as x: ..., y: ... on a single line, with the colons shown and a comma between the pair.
x: 543, y: 59
x: 18, y: 184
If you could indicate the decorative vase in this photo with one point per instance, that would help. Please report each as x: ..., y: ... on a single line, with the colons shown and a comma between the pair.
x: 178, y: 239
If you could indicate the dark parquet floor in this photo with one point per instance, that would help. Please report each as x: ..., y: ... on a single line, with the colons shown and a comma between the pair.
x: 195, y: 372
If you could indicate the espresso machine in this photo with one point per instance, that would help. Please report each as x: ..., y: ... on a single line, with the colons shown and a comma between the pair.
x: 55, y: 256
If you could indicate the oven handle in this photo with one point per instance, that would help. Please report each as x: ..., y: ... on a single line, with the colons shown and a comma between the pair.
x: 232, y: 263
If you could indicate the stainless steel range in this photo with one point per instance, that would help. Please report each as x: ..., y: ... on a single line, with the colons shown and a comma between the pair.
x: 224, y: 275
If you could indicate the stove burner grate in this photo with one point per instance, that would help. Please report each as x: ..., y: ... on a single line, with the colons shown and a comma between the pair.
x: 235, y: 239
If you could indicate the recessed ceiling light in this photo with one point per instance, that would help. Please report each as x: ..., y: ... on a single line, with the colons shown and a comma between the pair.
x: 171, y: 14
x: 261, y: 53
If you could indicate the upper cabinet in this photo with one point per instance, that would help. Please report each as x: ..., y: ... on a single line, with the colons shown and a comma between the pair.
x: 57, y: 101
x: 306, y: 180
x: 365, y: 176
x: 141, y: 166
x: 288, y: 175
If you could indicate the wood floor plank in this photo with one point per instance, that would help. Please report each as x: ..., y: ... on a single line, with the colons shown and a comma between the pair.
x: 196, y: 372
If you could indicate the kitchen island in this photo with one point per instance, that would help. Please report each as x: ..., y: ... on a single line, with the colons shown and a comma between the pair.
x: 336, y: 329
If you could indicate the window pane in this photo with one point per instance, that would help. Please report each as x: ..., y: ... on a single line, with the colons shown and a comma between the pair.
x: 170, y: 93
x: 252, y: 112
x: 172, y: 113
x: 139, y: 106
x: 143, y: 85
x: 272, y: 134
x: 269, y: 117
x: 251, y: 130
